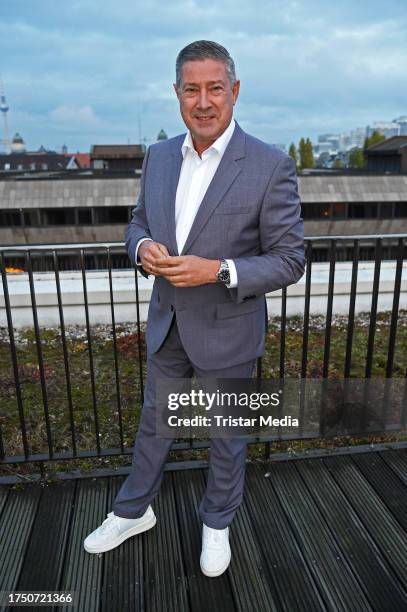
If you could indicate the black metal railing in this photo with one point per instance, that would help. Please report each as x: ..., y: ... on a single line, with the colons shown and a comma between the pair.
x: 55, y: 427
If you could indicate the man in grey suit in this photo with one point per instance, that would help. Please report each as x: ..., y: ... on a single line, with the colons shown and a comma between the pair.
x: 218, y: 224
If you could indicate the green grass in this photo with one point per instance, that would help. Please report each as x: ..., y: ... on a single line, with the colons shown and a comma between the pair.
x: 130, y: 398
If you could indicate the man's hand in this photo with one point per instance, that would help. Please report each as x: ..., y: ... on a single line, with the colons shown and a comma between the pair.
x: 188, y: 270
x: 150, y: 253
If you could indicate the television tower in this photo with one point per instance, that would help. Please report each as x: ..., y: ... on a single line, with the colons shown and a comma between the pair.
x: 4, y: 110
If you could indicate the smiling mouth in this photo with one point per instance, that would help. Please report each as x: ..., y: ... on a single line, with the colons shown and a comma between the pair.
x: 204, y: 118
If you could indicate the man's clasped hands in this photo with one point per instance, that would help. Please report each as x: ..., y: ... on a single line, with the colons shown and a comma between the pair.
x: 180, y: 271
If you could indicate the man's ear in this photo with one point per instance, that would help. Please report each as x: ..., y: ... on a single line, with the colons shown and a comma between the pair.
x: 235, y: 90
x: 177, y: 91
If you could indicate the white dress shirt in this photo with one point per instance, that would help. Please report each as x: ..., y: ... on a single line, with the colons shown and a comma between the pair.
x: 194, y: 179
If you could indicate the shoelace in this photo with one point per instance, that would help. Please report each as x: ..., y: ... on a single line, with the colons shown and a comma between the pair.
x: 214, y: 538
x: 109, y: 523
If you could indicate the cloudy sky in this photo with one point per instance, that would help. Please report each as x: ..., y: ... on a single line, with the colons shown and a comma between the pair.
x: 84, y: 72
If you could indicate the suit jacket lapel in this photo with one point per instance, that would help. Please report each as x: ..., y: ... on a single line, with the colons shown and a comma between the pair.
x: 174, y: 169
x: 224, y: 176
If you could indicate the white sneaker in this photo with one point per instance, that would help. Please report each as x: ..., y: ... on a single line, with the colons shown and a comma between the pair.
x: 115, y: 529
x: 216, y: 554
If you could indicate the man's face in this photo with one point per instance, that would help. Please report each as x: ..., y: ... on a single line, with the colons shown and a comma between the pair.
x: 206, y: 100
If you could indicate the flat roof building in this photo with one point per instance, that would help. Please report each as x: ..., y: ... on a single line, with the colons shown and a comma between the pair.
x: 117, y: 157
x: 388, y: 156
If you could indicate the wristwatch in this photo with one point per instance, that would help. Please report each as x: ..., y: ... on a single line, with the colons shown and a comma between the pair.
x: 223, y: 274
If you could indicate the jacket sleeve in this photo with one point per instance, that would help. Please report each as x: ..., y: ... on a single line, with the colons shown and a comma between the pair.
x: 138, y: 226
x: 281, y: 261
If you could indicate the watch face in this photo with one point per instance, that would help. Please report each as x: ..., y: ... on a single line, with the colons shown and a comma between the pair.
x: 224, y: 276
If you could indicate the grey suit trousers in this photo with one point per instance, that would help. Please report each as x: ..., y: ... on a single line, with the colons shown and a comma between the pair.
x: 227, y: 459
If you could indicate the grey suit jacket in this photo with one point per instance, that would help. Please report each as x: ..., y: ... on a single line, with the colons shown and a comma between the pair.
x: 251, y: 214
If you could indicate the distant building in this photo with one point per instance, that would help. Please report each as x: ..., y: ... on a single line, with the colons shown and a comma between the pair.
x: 329, y: 140
x: 36, y: 161
x: 17, y: 144
x: 327, y: 159
x: 387, y: 128
x: 162, y: 135
x: 82, y: 159
x: 390, y: 155
x: 117, y: 157
x: 352, y: 139
x: 402, y: 123
x: 91, y: 206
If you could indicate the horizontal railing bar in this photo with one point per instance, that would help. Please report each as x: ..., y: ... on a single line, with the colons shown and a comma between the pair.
x: 202, y: 463
x: 177, y: 446
x: 63, y: 246
x: 96, y: 245
x: 354, y: 237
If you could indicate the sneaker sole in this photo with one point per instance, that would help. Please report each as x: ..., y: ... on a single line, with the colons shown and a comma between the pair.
x: 218, y: 572
x: 124, y: 536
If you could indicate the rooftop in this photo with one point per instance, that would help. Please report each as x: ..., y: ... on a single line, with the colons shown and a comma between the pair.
x: 314, y: 534
x: 117, y: 151
x: 100, y: 188
x: 390, y: 145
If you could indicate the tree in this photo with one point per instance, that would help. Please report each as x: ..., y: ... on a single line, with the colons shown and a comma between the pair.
x: 309, y: 154
x: 373, y: 139
x: 301, y: 151
x: 357, y: 158
x: 338, y: 163
x: 306, y: 154
x: 292, y: 152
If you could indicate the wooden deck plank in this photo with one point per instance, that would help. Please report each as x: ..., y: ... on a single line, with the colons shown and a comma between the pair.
x: 386, y: 484
x: 338, y: 585
x: 386, y: 531
x: 165, y: 581
x: 122, y: 583
x: 205, y: 593
x: 248, y: 585
x: 397, y: 460
x: 362, y: 553
x: 290, y: 579
x: 83, y: 571
x: 248, y: 573
x: 45, y: 553
x: 16, y: 522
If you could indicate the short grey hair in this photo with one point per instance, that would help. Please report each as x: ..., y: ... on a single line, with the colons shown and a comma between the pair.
x: 201, y: 50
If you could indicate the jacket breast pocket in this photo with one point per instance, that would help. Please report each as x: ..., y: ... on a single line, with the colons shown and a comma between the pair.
x: 228, y: 310
x: 233, y: 210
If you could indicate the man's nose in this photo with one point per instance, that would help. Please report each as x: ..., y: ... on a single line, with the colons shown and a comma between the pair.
x: 203, y: 100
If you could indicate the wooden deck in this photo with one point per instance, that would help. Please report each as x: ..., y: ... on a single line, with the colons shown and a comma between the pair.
x: 312, y: 534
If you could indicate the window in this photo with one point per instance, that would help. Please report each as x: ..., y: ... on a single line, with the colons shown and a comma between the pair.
x: 315, y: 211
x: 111, y: 214
x: 400, y: 209
x: 85, y: 216
x: 386, y: 210
x: 30, y: 218
x: 57, y: 216
x: 339, y: 210
x: 10, y: 218
x: 363, y: 210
